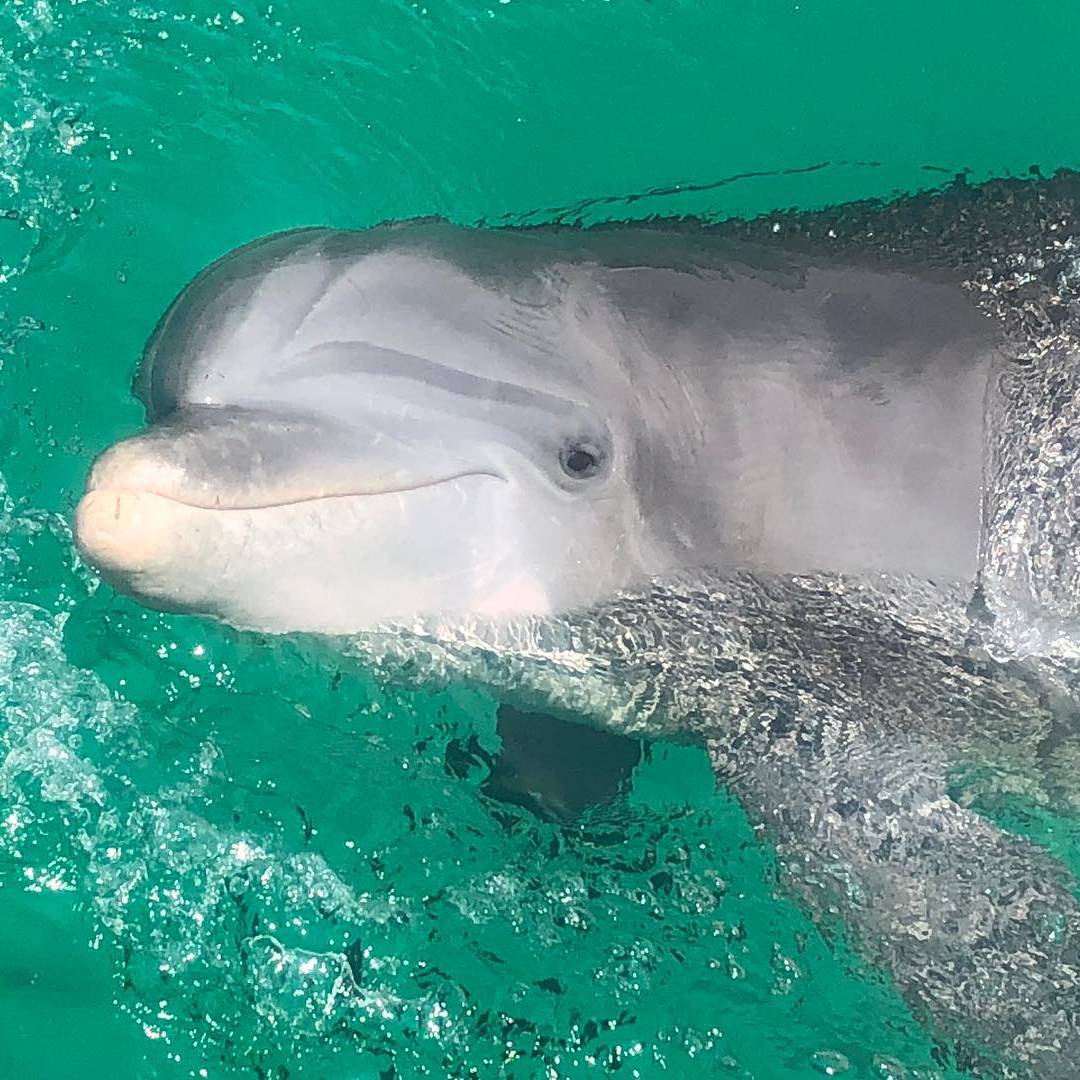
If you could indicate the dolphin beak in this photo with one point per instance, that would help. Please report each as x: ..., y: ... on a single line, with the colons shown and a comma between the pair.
x: 149, y: 492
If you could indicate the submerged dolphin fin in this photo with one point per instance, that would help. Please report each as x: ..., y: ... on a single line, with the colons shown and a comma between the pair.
x: 556, y: 768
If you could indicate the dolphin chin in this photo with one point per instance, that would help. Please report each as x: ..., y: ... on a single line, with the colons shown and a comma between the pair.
x: 125, y: 533
x: 131, y: 531
x: 146, y: 544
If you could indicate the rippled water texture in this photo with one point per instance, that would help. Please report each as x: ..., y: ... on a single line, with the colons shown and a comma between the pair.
x: 223, y: 856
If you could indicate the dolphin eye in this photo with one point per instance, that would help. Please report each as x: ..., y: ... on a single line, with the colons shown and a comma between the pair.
x: 581, y: 460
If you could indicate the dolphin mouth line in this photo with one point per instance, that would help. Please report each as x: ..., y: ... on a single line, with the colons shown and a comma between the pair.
x: 217, y: 504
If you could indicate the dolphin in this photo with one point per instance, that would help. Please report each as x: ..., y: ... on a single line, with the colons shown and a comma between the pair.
x: 424, y: 419
x: 803, y: 489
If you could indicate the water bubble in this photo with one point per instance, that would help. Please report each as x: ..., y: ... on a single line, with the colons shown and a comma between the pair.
x: 829, y: 1062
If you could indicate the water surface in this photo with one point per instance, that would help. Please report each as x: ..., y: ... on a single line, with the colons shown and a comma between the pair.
x: 224, y: 856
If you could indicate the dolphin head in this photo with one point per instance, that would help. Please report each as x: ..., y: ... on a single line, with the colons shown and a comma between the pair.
x: 346, y: 430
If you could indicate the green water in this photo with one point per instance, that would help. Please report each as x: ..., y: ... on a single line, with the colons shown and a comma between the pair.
x: 219, y: 856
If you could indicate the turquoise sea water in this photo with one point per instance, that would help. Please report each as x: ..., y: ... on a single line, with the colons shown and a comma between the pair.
x: 222, y: 855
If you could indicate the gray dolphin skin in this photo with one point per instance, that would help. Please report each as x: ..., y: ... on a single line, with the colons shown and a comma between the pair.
x: 803, y: 489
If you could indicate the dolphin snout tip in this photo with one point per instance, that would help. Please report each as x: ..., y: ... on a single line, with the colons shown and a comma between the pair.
x: 126, y: 531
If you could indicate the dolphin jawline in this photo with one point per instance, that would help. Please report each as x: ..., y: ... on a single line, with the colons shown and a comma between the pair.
x: 225, y: 505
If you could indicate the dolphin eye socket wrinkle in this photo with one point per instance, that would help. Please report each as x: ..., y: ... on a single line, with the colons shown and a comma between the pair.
x: 829, y: 528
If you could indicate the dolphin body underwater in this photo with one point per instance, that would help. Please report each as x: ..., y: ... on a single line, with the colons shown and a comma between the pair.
x: 804, y: 489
